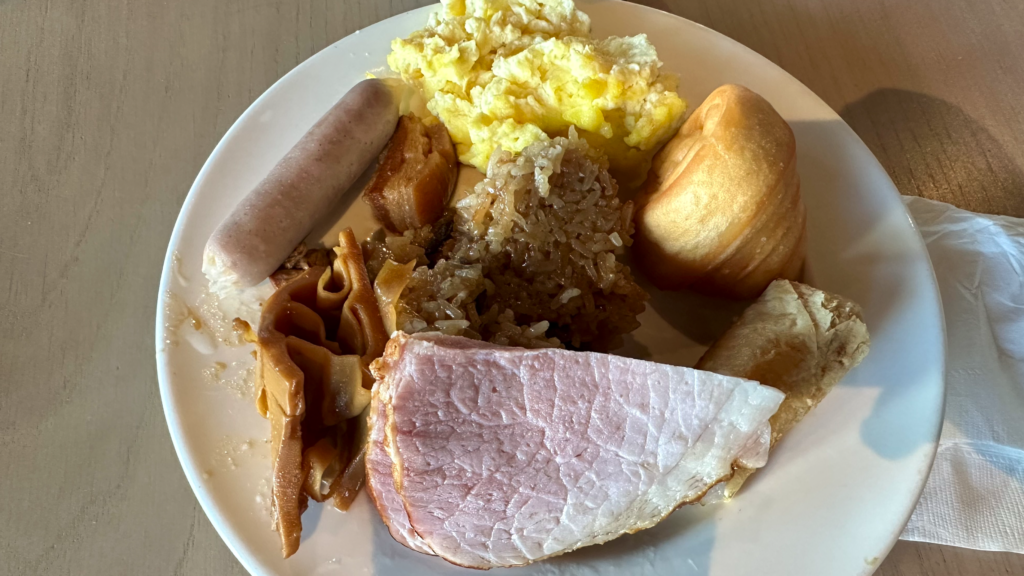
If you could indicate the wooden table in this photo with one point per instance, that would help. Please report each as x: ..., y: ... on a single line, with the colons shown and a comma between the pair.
x: 108, y: 108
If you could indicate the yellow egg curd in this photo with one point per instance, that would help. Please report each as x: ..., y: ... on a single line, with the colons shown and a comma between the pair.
x: 507, y: 73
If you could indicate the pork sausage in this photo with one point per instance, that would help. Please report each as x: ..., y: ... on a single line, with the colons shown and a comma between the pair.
x: 283, y: 208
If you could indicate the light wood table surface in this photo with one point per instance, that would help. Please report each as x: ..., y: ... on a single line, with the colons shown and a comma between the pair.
x: 108, y: 109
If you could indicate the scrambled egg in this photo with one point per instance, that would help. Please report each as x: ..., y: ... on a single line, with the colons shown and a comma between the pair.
x: 508, y: 73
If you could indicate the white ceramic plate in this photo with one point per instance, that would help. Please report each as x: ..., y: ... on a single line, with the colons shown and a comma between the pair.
x: 836, y: 493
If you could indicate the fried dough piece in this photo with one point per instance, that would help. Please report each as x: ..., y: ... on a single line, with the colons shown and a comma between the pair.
x: 415, y: 176
x: 721, y: 210
x: 797, y: 339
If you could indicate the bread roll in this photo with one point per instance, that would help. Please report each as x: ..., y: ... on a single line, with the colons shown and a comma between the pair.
x: 721, y: 210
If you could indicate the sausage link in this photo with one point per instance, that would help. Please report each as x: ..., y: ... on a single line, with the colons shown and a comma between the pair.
x: 283, y: 208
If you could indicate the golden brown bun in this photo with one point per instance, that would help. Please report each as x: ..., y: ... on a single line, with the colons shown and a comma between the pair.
x: 721, y: 210
x: 797, y: 339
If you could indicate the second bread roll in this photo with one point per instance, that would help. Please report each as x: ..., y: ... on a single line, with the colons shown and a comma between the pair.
x: 721, y: 210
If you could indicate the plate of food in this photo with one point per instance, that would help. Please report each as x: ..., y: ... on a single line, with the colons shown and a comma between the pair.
x: 549, y: 288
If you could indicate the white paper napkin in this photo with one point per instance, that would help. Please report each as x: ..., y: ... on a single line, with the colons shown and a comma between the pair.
x: 975, y: 494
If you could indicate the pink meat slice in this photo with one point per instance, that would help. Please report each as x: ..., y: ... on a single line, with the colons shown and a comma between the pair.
x: 380, y: 482
x: 505, y: 456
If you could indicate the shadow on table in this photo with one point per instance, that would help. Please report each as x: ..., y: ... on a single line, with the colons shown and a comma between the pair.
x: 932, y: 148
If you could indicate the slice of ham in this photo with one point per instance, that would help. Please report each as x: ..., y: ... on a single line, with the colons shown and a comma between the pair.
x: 380, y: 483
x: 505, y: 456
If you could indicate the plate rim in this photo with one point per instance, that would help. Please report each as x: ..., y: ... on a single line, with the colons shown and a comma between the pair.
x: 172, y: 418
